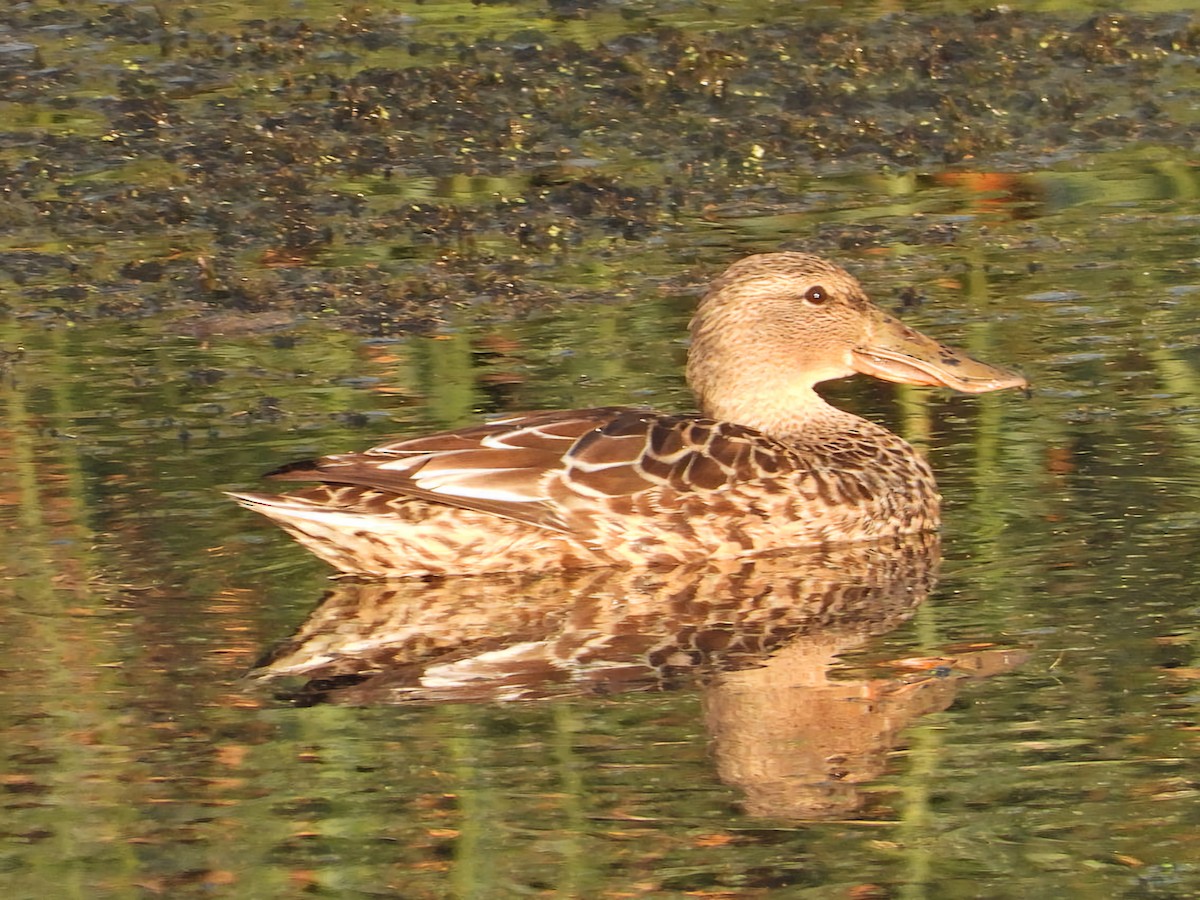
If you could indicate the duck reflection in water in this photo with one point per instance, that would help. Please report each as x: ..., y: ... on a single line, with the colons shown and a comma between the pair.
x: 755, y: 637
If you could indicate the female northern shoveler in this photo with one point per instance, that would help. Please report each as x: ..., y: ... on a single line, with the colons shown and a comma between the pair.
x: 766, y: 465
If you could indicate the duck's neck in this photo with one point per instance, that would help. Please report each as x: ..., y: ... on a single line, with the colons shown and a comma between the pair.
x: 797, y: 415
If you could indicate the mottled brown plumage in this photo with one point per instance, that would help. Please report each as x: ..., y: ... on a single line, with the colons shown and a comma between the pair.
x: 768, y: 464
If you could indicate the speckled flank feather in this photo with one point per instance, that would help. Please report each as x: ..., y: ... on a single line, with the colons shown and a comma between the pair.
x: 770, y: 465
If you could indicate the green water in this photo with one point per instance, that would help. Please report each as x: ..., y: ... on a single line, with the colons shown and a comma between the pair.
x: 1027, y: 727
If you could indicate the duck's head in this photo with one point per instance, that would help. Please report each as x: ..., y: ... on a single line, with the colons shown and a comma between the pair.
x: 774, y: 325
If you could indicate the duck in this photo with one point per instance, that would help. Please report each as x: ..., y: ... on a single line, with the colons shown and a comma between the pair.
x: 765, y: 465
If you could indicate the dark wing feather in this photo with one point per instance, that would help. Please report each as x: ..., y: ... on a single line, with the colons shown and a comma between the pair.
x: 638, y: 451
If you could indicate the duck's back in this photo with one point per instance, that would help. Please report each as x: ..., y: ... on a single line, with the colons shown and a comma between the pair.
x: 601, y: 486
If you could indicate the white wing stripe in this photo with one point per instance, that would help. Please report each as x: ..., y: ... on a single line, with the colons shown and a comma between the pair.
x: 504, y: 440
x: 407, y: 462
x: 479, y: 492
x: 453, y: 483
x: 584, y: 466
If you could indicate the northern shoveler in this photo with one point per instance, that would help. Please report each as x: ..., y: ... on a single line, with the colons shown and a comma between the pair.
x: 767, y: 463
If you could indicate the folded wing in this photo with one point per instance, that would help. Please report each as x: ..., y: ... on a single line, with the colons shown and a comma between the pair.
x: 554, y: 469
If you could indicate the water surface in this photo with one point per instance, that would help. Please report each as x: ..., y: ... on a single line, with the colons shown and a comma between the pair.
x: 1012, y: 713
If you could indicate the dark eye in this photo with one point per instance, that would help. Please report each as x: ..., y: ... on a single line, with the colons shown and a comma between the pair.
x: 816, y: 295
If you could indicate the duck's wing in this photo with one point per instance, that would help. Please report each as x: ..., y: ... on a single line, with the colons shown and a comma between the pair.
x: 550, y: 468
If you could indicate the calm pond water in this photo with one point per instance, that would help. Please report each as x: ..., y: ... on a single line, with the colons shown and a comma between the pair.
x: 1010, y: 710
